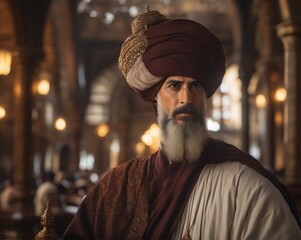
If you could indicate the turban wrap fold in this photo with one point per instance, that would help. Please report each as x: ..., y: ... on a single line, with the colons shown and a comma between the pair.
x: 171, y: 47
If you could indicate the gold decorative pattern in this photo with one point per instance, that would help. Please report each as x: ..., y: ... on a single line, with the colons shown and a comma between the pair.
x: 47, y: 222
x: 131, y: 49
x: 135, y: 45
x: 146, y: 19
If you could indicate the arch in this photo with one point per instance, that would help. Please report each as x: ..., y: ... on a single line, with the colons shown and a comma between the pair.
x: 290, y: 10
x: 101, y: 93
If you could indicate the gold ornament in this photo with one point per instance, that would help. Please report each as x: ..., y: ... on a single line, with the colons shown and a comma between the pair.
x: 47, y: 222
x: 135, y: 45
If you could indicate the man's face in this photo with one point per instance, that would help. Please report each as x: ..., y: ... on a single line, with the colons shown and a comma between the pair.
x: 181, y: 98
x: 181, y: 117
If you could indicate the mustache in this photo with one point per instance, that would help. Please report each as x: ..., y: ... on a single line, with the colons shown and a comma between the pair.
x: 189, y: 109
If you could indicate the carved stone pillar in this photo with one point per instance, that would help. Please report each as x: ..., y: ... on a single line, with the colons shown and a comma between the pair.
x: 29, y: 17
x: 245, y: 76
x: 268, y: 69
x: 290, y: 33
x: 269, y: 78
x: 67, y: 71
x: 23, y: 178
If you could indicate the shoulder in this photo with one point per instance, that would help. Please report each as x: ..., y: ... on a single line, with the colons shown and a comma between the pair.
x: 131, y: 167
x: 135, y: 170
x: 237, y: 173
x: 221, y: 151
x: 240, y: 169
x: 239, y: 181
x: 260, y: 209
x: 240, y: 174
x: 252, y: 183
x: 130, y: 175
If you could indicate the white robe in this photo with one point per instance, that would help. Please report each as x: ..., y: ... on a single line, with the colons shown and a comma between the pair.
x: 232, y: 201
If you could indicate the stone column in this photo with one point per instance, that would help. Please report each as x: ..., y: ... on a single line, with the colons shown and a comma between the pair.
x: 245, y: 76
x: 268, y: 70
x: 23, y: 178
x: 290, y: 33
x: 269, y: 77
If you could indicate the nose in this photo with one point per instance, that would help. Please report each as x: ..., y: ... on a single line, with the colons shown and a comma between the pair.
x: 185, y: 95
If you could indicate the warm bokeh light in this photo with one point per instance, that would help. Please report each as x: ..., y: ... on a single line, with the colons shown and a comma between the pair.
x: 102, y: 130
x: 260, y: 101
x: 5, y: 62
x: 216, y: 100
x: 216, y: 114
x: 114, y: 153
x: 278, y: 118
x: 154, y: 130
x: 151, y: 135
x: 213, y: 125
x: 2, y: 112
x: 60, y: 124
x: 280, y: 94
x: 226, y: 102
x: 43, y: 87
x: 140, y: 147
x: 150, y: 138
x: 147, y: 139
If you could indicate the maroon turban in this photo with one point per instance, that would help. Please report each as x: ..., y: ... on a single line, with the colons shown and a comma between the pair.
x: 175, y: 47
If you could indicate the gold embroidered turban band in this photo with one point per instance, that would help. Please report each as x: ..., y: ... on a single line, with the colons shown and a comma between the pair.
x: 161, y: 47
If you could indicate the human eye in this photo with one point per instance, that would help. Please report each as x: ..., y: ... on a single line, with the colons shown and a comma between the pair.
x: 174, y: 85
x: 196, y: 85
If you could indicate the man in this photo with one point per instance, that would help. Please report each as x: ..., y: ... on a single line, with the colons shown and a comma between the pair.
x: 194, y: 187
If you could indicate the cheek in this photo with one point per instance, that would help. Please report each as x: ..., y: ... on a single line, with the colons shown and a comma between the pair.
x: 170, y: 106
x: 165, y: 105
x: 200, y: 103
x: 165, y: 101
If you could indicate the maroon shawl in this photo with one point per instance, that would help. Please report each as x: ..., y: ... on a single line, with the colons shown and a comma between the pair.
x: 172, y: 184
x: 145, y: 198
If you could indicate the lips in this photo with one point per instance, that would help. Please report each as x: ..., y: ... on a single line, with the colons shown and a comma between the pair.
x: 186, y: 114
x: 185, y: 117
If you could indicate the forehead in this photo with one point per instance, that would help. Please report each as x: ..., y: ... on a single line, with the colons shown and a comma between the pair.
x: 180, y: 78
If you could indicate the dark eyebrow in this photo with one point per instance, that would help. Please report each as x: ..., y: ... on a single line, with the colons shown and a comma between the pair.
x: 195, y: 80
x: 173, y: 81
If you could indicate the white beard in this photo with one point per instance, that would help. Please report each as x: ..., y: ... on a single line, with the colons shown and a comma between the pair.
x: 182, y: 142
